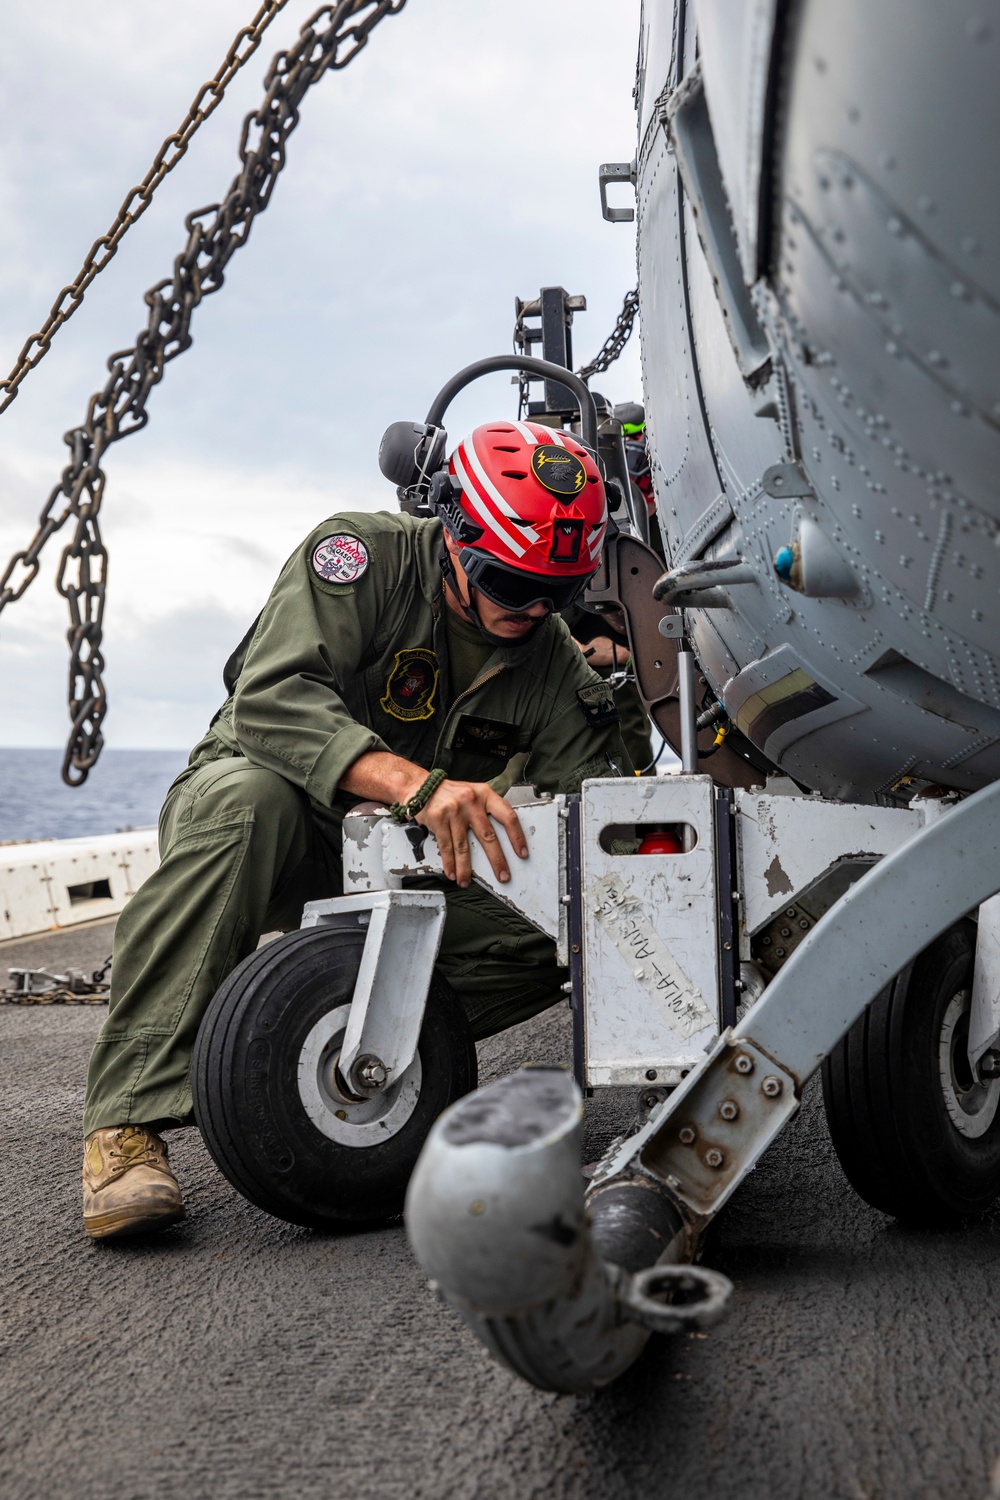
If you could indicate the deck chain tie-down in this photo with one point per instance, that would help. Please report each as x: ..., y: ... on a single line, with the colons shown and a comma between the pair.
x: 331, y: 39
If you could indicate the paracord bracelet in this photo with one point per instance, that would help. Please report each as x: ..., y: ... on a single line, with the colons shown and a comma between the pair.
x: 405, y: 812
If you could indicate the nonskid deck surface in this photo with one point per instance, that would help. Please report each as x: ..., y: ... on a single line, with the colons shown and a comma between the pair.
x: 240, y: 1357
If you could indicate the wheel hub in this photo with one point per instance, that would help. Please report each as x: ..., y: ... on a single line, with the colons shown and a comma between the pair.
x: 342, y: 1116
x: 971, y: 1101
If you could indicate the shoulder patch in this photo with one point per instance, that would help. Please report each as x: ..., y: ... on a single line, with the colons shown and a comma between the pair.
x: 340, y: 559
x: 598, y: 704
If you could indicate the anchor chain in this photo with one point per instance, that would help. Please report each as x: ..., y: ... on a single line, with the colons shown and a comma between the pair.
x: 329, y: 41
x: 207, y: 99
x: 616, y: 339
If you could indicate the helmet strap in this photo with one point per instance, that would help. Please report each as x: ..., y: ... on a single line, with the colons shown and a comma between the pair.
x: 470, y: 611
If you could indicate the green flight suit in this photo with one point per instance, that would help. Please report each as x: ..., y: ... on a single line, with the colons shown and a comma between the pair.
x: 348, y: 656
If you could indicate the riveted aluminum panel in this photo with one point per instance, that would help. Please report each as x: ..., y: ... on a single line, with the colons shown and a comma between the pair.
x: 657, y: 62
x: 882, y: 321
x: 735, y: 49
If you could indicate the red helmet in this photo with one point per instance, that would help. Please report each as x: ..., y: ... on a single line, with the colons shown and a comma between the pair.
x: 527, y: 506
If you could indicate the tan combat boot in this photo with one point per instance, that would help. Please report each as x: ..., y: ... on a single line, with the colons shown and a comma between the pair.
x: 128, y: 1187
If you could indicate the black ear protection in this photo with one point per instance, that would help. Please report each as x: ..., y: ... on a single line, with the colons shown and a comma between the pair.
x: 409, y: 454
x: 412, y: 453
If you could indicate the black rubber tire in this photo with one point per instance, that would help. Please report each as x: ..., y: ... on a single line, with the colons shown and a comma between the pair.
x: 885, y: 1103
x: 246, y: 1097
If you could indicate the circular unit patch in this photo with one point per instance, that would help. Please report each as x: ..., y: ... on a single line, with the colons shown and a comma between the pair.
x: 561, y: 472
x: 340, y: 559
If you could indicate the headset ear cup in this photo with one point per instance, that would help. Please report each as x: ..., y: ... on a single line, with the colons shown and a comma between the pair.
x: 397, y: 454
x: 410, y: 452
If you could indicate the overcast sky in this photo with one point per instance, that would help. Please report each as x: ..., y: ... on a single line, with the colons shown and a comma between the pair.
x: 450, y: 168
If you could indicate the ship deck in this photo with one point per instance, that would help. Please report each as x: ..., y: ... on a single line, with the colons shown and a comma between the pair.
x: 239, y: 1357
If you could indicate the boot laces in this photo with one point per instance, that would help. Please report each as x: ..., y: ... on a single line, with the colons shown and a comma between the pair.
x: 132, y: 1146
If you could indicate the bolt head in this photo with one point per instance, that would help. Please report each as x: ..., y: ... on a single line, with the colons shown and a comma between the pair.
x: 714, y: 1158
x: 744, y: 1064
x: 729, y: 1109
x: 771, y: 1086
x: 371, y: 1073
x: 686, y: 1135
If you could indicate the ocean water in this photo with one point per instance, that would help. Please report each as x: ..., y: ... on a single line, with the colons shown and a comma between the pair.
x: 124, y: 790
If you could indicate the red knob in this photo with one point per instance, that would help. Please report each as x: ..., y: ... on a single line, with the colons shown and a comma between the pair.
x: 663, y: 841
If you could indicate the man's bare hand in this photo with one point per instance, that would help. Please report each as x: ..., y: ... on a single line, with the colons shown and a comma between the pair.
x: 456, y: 809
x: 602, y: 652
x: 459, y: 808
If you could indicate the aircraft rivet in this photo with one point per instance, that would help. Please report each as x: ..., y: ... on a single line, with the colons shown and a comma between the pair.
x: 771, y: 1087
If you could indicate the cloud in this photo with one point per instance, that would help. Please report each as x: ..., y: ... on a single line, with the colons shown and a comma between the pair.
x: 450, y: 168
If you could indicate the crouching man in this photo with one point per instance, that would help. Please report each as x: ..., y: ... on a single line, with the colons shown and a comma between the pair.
x: 402, y: 660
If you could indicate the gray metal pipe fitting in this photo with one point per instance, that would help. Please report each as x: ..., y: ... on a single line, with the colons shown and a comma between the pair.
x: 497, y: 1218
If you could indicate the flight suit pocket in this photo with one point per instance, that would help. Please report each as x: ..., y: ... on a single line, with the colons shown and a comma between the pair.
x: 481, y: 748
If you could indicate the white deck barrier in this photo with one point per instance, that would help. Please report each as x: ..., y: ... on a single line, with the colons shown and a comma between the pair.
x: 61, y: 882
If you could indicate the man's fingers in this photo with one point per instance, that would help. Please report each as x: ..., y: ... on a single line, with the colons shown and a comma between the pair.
x: 463, y: 853
x: 507, y: 817
x: 442, y: 833
x: 460, y: 808
x: 487, y: 836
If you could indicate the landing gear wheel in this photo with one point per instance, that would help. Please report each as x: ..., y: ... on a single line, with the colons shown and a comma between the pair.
x: 916, y: 1131
x: 266, y: 1094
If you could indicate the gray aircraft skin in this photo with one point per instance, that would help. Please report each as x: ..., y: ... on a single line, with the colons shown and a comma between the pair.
x: 819, y: 285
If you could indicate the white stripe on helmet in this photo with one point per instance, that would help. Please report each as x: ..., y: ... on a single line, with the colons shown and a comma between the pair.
x: 599, y: 534
x: 503, y: 505
x: 551, y: 435
x: 482, y: 510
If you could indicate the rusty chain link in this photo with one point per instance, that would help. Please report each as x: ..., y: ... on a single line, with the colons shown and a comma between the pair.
x: 326, y: 42
x: 40, y: 987
x: 617, y: 338
x: 174, y: 147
